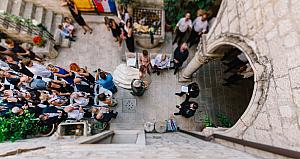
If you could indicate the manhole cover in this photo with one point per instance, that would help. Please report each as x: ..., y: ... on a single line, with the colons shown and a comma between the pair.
x: 129, y: 106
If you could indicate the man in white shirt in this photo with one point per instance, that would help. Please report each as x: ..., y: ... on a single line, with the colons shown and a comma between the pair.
x: 200, y: 25
x: 37, y: 69
x: 161, y: 62
x: 183, y: 26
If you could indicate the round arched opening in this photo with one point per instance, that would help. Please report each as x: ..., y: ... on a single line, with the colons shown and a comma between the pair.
x: 226, y: 85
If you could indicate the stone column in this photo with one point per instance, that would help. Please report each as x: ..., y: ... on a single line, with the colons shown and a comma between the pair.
x: 198, y: 61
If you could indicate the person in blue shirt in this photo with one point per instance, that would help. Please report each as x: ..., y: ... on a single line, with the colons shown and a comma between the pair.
x: 106, y: 81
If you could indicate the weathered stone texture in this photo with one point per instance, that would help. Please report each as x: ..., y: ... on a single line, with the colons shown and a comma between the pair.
x: 272, y: 29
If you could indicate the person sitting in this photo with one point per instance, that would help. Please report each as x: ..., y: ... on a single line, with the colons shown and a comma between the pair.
x: 187, y: 109
x: 161, y: 62
x: 67, y: 24
x: 106, y: 99
x: 11, y: 77
x: 144, y: 76
x: 83, y: 72
x: 64, y: 33
x: 37, y: 69
x: 52, y: 115
x: 191, y: 92
x: 145, y: 60
x: 17, y: 66
x: 3, y: 65
x: 104, y: 115
x: 57, y: 100
x: 180, y: 55
x: 19, y: 51
x: 61, y: 87
x: 239, y: 61
x: 62, y: 73
x: 74, y: 113
x: 36, y: 84
x: 106, y: 81
x: 79, y: 99
x: 244, y: 72
x: 137, y: 87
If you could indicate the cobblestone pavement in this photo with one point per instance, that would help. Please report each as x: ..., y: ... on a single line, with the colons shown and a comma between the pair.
x: 161, y: 146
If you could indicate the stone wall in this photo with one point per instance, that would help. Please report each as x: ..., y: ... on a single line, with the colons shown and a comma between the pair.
x: 268, y: 31
x: 53, y: 5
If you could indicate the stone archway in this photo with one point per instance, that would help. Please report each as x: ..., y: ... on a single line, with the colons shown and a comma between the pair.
x: 262, y: 73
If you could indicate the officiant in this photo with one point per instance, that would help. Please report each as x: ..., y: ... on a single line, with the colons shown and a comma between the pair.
x: 190, y: 91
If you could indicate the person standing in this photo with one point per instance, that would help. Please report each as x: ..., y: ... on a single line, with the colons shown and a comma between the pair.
x: 187, y: 109
x: 200, y: 26
x: 128, y: 35
x: 106, y: 81
x: 182, y: 27
x: 180, y: 55
x: 77, y: 16
x: 192, y: 91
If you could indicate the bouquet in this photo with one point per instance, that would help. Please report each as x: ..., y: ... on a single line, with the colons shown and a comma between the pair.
x: 39, y: 41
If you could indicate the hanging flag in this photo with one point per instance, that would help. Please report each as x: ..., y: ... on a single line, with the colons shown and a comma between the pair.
x: 105, y: 6
x: 85, y: 5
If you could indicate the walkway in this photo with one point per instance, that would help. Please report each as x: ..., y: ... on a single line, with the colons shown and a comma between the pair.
x: 160, y: 146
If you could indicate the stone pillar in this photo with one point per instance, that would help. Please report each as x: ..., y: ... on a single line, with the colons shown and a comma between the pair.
x: 198, y: 61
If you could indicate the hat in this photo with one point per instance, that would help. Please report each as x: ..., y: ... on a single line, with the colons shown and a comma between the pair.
x: 137, y: 83
x: 15, y: 110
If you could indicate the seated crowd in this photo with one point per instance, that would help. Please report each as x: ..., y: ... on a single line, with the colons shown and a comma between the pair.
x: 52, y: 93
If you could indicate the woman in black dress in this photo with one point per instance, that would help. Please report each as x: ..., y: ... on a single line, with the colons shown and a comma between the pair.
x: 116, y: 31
x: 128, y: 31
x: 77, y: 16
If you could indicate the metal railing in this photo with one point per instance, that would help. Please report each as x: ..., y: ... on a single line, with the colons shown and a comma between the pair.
x: 39, y: 30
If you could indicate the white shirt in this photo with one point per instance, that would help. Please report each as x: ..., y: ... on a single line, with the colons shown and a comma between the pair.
x: 242, y: 57
x: 40, y: 70
x: 4, y: 66
x: 183, y: 24
x: 161, y: 64
x: 75, y: 114
x: 199, y: 25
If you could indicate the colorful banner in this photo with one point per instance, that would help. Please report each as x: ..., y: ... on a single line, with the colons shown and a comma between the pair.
x: 105, y: 6
x: 85, y: 5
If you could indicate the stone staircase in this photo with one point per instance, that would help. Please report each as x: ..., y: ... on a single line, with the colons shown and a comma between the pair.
x: 49, y: 19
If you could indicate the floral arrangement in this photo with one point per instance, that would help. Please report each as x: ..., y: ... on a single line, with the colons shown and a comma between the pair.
x: 39, y: 41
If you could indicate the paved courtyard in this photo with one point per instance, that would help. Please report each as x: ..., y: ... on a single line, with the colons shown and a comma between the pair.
x: 100, y: 51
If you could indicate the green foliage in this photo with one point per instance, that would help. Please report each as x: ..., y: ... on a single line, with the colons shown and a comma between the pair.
x: 15, y: 127
x: 175, y: 9
x: 224, y: 121
x: 208, y: 122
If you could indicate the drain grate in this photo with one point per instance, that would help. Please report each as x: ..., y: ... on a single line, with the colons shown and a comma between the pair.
x: 129, y: 106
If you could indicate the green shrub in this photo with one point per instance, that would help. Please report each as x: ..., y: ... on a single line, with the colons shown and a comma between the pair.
x: 208, y: 122
x: 224, y: 121
x: 14, y: 127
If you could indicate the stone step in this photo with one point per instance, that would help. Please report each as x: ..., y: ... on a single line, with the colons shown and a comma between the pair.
x: 18, y: 7
x: 40, y: 14
x: 58, y: 19
x: 48, y: 50
x: 126, y: 126
x: 49, y: 16
x: 29, y: 10
x: 6, y: 6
